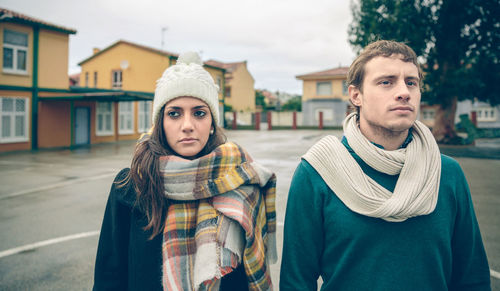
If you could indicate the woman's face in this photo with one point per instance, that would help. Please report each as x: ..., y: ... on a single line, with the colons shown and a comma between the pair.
x: 187, y: 123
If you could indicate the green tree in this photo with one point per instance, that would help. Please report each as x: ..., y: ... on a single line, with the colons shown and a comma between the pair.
x: 294, y: 104
x: 260, y: 100
x: 228, y: 108
x: 457, y: 41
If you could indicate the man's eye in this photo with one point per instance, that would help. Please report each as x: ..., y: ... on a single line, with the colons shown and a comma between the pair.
x: 173, y: 114
x: 385, y: 82
x: 200, y: 113
x: 412, y: 83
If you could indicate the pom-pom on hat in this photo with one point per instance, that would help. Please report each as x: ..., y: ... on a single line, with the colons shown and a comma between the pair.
x: 186, y: 78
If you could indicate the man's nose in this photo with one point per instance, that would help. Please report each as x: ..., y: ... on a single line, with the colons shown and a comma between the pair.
x: 402, y: 93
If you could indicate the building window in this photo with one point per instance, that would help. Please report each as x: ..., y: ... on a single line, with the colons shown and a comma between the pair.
x: 104, y: 115
x: 87, y: 79
x: 345, y: 90
x: 13, y: 119
x: 95, y: 79
x: 486, y: 114
x: 323, y: 88
x: 144, y: 116
x: 428, y: 114
x: 15, y: 51
x: 116, y: 79
x: 219, y: 82
x: 227, y: 92
x: 125, y: 117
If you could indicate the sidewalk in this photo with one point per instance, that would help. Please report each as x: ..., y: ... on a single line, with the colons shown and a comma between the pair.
x: 483, y: 149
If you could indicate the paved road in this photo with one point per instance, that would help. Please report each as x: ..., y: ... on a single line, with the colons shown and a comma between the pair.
x: 52, y: 203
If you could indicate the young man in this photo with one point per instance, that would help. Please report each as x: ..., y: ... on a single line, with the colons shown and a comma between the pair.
x: 382, y: 209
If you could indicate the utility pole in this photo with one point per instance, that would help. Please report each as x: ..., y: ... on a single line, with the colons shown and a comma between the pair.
x: 163, y: 29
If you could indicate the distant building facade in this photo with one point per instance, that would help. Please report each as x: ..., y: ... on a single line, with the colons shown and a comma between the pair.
x: 326, y: 92
x: 238, y: 85
x: 42, y: 107
x: 33, y: 66
x: 130, y: 67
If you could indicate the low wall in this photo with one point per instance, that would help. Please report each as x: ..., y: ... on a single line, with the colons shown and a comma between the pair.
x: 283, y: 118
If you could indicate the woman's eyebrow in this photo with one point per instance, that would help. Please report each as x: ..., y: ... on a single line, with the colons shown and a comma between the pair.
x: 181, y: 108
x: 174, y: 107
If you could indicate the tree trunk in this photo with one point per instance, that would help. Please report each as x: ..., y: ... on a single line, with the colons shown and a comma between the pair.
x: 444, y: 123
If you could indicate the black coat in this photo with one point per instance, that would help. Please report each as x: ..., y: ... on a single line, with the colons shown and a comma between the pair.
x: 126, y: 258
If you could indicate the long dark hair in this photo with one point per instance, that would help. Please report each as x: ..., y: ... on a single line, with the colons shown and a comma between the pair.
x: 145, y: 172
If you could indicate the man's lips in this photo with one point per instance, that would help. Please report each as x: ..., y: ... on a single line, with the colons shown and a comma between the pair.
x: 402, y: 108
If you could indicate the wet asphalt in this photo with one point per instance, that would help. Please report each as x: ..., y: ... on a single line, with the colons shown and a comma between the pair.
x: 50, y: 197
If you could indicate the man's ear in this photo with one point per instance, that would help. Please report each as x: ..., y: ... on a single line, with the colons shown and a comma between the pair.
x: 355, y: 95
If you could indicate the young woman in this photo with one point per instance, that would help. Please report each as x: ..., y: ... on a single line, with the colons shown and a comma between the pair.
x: 193, y: 212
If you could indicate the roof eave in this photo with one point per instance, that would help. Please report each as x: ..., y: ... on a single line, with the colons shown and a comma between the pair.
x: 37, y: 24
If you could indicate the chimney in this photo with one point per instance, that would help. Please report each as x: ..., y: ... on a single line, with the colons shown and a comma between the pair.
x: 96, y: 50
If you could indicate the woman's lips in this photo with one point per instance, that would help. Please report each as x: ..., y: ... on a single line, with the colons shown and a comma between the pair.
x: 188, y: 140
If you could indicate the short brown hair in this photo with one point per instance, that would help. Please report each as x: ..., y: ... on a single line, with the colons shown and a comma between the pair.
x: 380, y: 48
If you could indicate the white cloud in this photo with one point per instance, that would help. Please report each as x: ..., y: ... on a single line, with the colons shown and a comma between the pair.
x: 279, y: 38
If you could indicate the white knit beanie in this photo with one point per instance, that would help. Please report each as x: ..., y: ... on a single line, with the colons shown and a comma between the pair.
x: 186, y: 78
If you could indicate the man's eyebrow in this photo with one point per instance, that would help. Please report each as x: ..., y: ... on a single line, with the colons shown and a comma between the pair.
x: 394, y: 77
x: 385, y: 77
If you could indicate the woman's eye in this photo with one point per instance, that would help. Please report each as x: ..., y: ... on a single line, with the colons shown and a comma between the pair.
x: 173, y: 114
x: 200, y: 113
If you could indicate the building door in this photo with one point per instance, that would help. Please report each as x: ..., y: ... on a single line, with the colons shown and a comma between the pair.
x: 82, y: 125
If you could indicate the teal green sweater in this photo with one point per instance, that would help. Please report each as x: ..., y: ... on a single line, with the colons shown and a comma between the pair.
x: 322, y: 237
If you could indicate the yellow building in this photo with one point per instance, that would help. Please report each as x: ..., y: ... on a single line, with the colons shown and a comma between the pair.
x: 326, y: 92
x: 133, y: 68
x: 39, y: 108
x: 34, y: 65
x: 239, y: 90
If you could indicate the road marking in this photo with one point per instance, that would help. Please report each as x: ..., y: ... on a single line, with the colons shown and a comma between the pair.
x: 20, y: 163
x: 44, y: 243
x: 39, y: 244
x: 57, y: 185
x: 494, y: 274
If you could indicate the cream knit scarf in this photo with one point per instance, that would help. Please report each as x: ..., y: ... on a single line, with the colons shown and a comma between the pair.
x: 418, y: 166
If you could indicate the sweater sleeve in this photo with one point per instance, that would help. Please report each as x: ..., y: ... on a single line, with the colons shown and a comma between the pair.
x: 470, y: 265
x: 303, y: 233
x: 111, y: 268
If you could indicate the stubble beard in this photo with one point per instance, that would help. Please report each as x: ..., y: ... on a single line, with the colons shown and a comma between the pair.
x: 389, y: 132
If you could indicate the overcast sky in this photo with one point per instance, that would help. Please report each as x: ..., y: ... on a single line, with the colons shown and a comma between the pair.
x: 278, y: 38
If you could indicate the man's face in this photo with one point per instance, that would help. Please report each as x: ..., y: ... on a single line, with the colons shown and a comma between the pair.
x: 390, y: 99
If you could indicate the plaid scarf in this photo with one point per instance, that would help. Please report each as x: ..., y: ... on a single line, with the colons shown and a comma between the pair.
x: 222, y: 213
